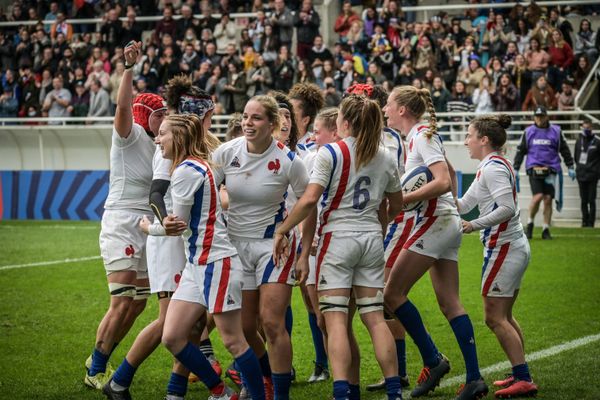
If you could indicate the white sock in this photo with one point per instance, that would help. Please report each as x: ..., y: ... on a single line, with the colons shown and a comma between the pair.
x: 173, y: 397
x: 115, y: 386
x: 529, y: 220
x: 545, y: 226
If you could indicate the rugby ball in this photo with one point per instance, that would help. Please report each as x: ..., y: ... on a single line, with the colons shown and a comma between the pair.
x: 413, y: 180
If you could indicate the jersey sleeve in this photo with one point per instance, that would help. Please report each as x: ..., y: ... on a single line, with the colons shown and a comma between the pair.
x: 161, y: 167
x: 184, y: 184
x: 323, y: 168
x: 136, y: 132
x: 218, y: 165
x: 431, y: 150
x: 469, y: 199
x: 497, y: 179
x: 298, y: 177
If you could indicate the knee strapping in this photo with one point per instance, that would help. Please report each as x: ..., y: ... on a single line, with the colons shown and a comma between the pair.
x: 370, y: 304
x: 334, y: 303
x: 141, y: 293
x: 121, y: 289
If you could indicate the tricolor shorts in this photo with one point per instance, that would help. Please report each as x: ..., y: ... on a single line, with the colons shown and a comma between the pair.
x: 397, y: 234
x: 503, y: 268
x: 437, y: 237
x: 166, y: 260
x: 346, y: 259
x: 122, y: 242
x: 259, y: 268
x: 217, y: 286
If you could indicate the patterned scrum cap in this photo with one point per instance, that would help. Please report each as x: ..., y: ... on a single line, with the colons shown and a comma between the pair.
x: 360, y: 89
x: 144, y: 105
x: 195, y: 105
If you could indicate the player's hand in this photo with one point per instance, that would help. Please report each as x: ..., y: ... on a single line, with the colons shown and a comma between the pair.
x: 145, y: 224
x: 301, y: 270
x: 173, y: 225
x: 314, y: 247
x: 132, y: 51
x: 281, y: 247
x: 466, y: 226
x: 572, y: 174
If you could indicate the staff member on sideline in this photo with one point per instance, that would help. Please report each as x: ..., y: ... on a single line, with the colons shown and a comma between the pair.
x: 587, y: 157
x: 543, y: 142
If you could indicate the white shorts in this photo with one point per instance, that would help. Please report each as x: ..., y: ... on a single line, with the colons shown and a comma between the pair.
x: 503, y: 268
x: 397, y: 234
x: 217, y: 286
x: 347, y: 259
x: 166, y: 260
x: 259, y: 268
x: 437, y: 237
x: 312, y: 270
x: 122, y: 242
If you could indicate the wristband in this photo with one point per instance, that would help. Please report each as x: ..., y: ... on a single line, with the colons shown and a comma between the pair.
x: 129, y: 66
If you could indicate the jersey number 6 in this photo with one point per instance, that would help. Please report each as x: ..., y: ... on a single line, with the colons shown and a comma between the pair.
x: 357, y: 203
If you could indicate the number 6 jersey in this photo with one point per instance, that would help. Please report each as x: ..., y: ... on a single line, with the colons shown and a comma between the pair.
x: 351, y: 198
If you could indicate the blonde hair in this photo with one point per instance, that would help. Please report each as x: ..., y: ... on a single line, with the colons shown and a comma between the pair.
x: 190, y: 139
x: 328, y: 117
x: 271, y: 110
x: 365, y: 119
x: 417, y: 101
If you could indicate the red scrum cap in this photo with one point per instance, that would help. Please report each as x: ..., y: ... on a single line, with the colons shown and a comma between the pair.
x: 144, y: 105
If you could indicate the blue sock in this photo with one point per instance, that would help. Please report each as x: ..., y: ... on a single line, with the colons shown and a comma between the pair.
x: 265, y: 367
x: 193, y: 359
x: 401, y: 355
x: 99, y: 360
x: 434, y: 346
x: 289, y: 320
x: 354, y: 392
x: 317, y: 337
x: 341, y: 390
x: 410, y: 318
x: 249, y: 368
x: 281, y: 386
x: 124, y: 374
x: 393, y: 388
x: 463, y: 330
x: 521, y: 372
x: 177, y: 385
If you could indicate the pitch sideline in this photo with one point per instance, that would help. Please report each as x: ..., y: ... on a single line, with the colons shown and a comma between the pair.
x: 43, y: 263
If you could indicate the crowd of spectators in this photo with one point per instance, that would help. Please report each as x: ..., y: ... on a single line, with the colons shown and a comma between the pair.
x: 482, y: 60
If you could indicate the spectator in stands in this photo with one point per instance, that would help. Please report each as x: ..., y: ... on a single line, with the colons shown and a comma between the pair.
x: 61, y: 26
x: 283, y: 22
x: 317, y: 55
x: 132, y: 30
x: 94, y: 57
x: 98, y: 73
x: 466, y: 51
x: 585, y: 41
x: 231, y: 55
x: 356, y: 35
x: 248, y: 58
x: 374, y: 71
x: 344, y: 76
x: 506, y: 95
x: 482, y: 96
x: 207, y: 21
x: 496, y: 38
x: 566, y: 97
x: 259, y: 78
x: 51, y: 15
x: 224, y: 34
x: 304, y: 74
x: 7, y: 52
x: 80, y: 101
x: 327, y: 72
x: 541, y: 94
x: 587, y: 159
x: 541, y: 32
x: 57, y: 101
x: 236, y: 89
x: 210, y: 54
x: 47, y: 62
x: 559, y: 22
x: 508, y: 58
x: 561, y: 58
x: 29, y: 91
x: 115, y: 80
x: 257, y: 29
x: 190, y: 60
x: 521, y: 77
x: 582, y: 70
x: 45, y: 85
x: 112, y: 30
x: 168, y: 66
x: 472, y: 75
x: 405, y: 75
x: 284, y: 70
x: 307, y: 22
x: 344, y: 20
x: 24, y: 50
x: 425, y: 56
x: 392, y: 20
x: 440, y: 95
x: 186, y: 21
x: 449, y: 60
x: 99, y: 102
x: 537, y: 59
x: 495, y: 69
x: 332, y: 97
x: 460, y: 102
x: 216, y: 83
x: 369, y: 20
x: 166, y: 25
x: 9, y: 104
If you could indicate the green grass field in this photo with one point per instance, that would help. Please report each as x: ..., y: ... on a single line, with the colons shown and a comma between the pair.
x: 49, y: 315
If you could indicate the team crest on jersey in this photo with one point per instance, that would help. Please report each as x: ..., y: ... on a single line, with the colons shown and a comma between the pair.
x: 274, y: 166
x: 322, y: 281
x: 230, y: 300
x: 496, y: 288
x: 420, y: 244
x: 235, y: 162
x: 129, y: 251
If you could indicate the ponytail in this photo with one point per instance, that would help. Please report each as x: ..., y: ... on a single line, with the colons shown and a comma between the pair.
x: 365, y: 119
x: 426, y: 96
x: 417, y: 101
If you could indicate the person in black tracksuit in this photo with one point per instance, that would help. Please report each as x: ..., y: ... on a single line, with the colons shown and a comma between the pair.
x: 587, y: 158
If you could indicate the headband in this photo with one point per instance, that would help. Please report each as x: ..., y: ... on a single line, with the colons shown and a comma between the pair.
x: 195, y: 105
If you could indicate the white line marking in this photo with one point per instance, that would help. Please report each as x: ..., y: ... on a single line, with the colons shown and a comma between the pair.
x: 549, y: 352
x: 43, y: 263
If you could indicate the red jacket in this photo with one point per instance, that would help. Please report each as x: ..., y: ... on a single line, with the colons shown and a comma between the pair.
x: 561, y: 56
x: 342, y: 24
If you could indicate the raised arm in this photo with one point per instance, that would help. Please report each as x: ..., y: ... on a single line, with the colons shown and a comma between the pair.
x: 124, y: 112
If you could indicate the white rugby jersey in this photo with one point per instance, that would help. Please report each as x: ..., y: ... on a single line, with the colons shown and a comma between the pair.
x: 257, y: 186
x: 306, y: 139
x: 161, y: 169
x: 351, y: 198
x: 425, y: 152
x: 394, y: 143
x: 193, y: 184
x: 130, y: 170
x: 495, y: 177
x: 305, y: 149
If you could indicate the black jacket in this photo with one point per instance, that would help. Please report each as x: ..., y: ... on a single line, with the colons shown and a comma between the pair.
x: 590, y: 171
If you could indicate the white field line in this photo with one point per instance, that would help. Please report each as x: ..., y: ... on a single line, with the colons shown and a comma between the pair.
x: 44, y: 263
x: 505, y: 365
